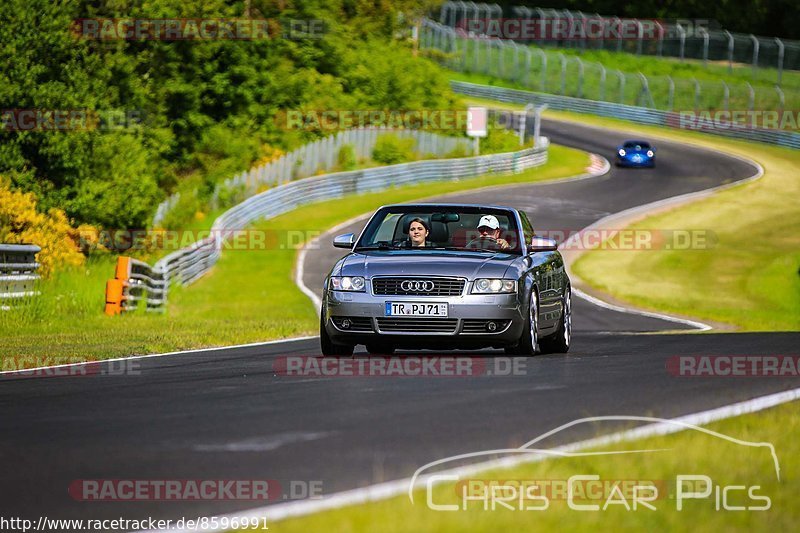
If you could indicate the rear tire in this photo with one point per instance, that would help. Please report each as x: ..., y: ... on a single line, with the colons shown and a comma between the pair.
x: 559, y: 341
x: 327, y: 346
x: 529, y: 340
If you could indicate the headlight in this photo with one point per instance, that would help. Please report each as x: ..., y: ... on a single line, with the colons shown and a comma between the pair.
x: 650, y: 153
x: 494, y: 286
x: 347, y: 283
x: 621, y: 152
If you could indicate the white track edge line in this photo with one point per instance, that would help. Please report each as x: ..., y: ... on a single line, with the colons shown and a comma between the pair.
x: 389, y: 489
x: 147, y: 356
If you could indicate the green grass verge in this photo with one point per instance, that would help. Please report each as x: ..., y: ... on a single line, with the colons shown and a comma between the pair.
x: 750, y: 278
x: 685, y: 453
x: 250, y: 296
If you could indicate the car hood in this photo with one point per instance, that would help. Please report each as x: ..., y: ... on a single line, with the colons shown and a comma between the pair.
x: 468, y: 265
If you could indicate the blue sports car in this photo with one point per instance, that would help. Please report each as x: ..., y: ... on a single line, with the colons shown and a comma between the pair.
x: 636, y: 154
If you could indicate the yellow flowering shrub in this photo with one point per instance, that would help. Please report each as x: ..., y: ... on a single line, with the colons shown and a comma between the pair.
x: 21, y: 223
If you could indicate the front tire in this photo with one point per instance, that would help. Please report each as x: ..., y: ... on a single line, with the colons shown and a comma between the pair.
x: 559, y: 341
x: 327, y: 346
x: 529, y: 340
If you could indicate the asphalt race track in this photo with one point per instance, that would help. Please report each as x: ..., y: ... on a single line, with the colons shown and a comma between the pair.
x: 226, y: 414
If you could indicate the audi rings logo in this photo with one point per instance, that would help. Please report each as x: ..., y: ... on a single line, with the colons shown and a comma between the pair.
x: 412, y: 285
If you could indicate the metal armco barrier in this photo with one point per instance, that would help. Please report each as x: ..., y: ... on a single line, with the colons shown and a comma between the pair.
x: 188, y: 264
x: 18, y: 277
x: 640, y: 115
x: 135, y: 282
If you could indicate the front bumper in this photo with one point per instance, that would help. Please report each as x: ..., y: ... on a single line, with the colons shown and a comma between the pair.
x: 467, y: 323
x: 641, y: 162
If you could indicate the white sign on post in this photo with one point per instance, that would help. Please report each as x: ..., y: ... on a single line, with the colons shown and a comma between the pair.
x: 477, y: 124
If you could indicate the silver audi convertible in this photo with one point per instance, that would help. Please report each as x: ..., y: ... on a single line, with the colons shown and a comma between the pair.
x: 447, y: 276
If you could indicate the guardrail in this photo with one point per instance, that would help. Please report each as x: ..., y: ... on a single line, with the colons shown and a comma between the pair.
x: 188, y: 264
x: 635, y: 114
x: 320, y: 155
x: 135, y: 282
x: 18, y: 277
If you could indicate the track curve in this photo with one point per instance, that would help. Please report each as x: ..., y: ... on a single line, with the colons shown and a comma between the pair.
x: 227, y: 413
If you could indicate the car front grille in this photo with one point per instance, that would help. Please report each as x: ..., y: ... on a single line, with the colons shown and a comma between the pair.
x: 418, y: 325
x: 480, y: 325
x: 356, y: 323
x: 441, y: 287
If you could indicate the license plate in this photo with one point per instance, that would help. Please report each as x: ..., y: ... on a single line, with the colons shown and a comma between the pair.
x: 416, y: 309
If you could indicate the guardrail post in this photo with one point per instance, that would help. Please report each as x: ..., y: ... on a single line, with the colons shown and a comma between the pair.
x: 115, y: 288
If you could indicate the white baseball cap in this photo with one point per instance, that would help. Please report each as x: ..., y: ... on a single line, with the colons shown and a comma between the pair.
x: 489, y: 221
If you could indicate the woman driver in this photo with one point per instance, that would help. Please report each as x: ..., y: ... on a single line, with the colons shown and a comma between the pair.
x: 418, y: 231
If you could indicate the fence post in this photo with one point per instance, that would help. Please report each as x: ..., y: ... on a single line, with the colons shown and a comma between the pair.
x: 780, y: 59
x: 671, y: 96
x: 580, y: 77
x: 705, y: 46
x: 660, y: 45
x: 563, y: 72
x: 682, y: 37
x: 543, y: 81
x: 696, y: 96
x: 621, y: 86
x: 640, y: 35
x: 645, y: 94
x: 756, y: 46
x: 537, y: 123
x: 781, y: 101
x: 619, y: 33
x: 526, y: 75
x: 751, y: 100
x: 726, y: 95
x: 602, y: 95
x: 730, y: 50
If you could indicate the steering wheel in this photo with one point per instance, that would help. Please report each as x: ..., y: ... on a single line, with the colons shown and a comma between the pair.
x: 483, y: 242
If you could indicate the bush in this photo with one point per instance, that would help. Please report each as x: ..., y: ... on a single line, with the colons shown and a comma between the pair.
x: 21, y: 223
x: 390, y: 150
x: 500, y: 140
x: 347, y: 157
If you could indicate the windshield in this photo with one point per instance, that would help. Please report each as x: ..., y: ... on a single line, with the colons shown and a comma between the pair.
x: 634, y: 145
x: 441, y: 227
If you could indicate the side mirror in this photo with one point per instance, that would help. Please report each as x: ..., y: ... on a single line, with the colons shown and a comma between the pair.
x: 542, y: 244
x: 346, y: 240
